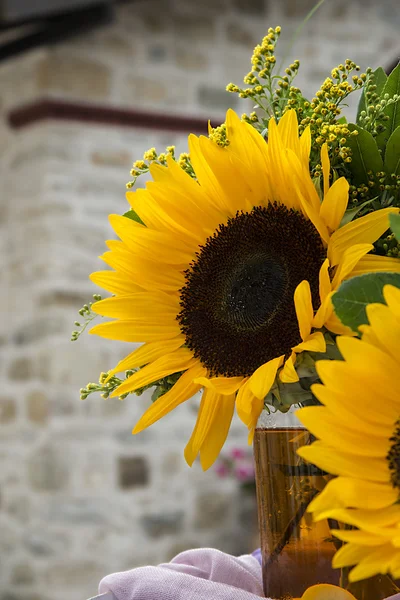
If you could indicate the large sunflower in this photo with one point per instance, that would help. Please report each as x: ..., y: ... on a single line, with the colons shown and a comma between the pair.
x: 231, y: 274
x: 359, y: 440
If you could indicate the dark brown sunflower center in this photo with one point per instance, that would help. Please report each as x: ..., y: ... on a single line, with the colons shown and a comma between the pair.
x: 237, y: 304
x: 393, y: 457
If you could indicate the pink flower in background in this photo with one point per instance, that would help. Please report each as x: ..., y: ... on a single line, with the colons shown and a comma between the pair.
x: 222, y: 470
x: 237, y: 453
x: 244, y: 472
x: 239, y: 464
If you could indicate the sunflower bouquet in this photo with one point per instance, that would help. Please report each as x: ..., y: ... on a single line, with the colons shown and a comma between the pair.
x: 240, y: 264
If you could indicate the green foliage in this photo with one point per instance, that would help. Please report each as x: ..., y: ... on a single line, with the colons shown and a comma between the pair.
x: 88, y: 315
x: 354, y: 295
x: 365, y: 157
x: 131, y: 214
x: 392, y: 154
x: 395, y: 225
x: 391, y: 94
x: 378, y: 79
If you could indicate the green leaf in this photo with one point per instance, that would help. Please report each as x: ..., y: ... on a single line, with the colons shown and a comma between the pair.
x: 394, y: 221
x: 131, y: 214
x: 342, y: 120
x: 352, y: 212
x: 354, y: 295
x: 365, y: 155
x: 391, y: 87
x: 379, y: 80
x: 392, y: 153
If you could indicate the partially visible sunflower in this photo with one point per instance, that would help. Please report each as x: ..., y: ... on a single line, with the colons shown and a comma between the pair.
x: 325, y: 591
x: 231, y: 274
x: 359, y: 441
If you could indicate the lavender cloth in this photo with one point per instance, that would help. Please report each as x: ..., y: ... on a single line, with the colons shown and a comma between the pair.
x: 202, y: 574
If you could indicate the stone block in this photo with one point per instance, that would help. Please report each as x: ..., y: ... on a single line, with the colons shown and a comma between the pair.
x: 296, y: 8
x: 74, y: 76
x: 212, y: 509
x: 195, y: 28
x: 191, y: 59
x: 239, y: 35
x: 37, y: 407
x: 44, y: 543
x: 133, y: 471
x: 48, y: 469
x: 22, y: 574
x: 215, y: 98
x: 252, y: 7
x: 38, y: 329
x: 159, y: 525
x: 111, y: 158
x: 21, y: 369
x: 75, y: 574
x: 78, y: 511
x: 8, y: 409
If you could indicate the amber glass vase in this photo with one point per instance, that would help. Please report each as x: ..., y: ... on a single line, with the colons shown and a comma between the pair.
x: 296, y: 552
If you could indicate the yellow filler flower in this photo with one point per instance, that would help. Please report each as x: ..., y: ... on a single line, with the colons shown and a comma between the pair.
x: 231, y: 274
x: 359, y: 441
x: 325, y: 591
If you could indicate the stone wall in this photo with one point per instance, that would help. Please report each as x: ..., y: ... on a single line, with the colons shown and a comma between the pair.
x: 79, y: 497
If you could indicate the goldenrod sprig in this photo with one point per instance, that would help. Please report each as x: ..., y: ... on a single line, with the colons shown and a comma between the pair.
x: 88, y: 316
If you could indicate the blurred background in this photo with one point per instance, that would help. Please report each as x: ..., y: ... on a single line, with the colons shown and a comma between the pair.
x: 86, y: 86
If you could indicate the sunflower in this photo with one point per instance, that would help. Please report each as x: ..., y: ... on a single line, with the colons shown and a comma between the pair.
x: 325, y: 591
x: 230, y: 274
x: 359, y: 441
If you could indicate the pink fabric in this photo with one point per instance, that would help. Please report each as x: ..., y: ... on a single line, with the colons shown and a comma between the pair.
x: 203, y: 574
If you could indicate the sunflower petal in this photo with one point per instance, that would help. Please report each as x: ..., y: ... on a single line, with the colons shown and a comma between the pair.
x: 263, y: 378
x: 114, y: 282
x: 207, y: 412
x: 325, y: 591
x: 348, y: 261
x: 133, y: 331
x: 288, y: 374
x: 304, y: 308
x: 180, y: 360
x: 314, y: 343
x: 335, y: 202
x: 364, y: 230
x: 218, y: 431
x: 347, y: 491
x: 326, y: 168
x: 222, y: 385
x: 183, y: 390
x: 373, y: 263
x: 147, y: 353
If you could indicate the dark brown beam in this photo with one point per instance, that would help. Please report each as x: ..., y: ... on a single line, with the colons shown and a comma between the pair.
x: 64, y: 110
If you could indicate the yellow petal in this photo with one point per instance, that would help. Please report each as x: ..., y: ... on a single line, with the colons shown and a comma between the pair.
x: 325, y: 426
x: 361, y: 538
x: 147, y: 354
x: 134, y: 331
x: 378, y: 561
x: 142, y: 306
x: 324, y: 312
x: 218, y: 431
x: 314, y: 343
x: 325, y: 591
x: 156, y: 245
x: 288, y: 373
x: 386, y: 327
x: 334, y: 204
x: 208, y: 410
x: 350, y: 554
x: 263, y: 378
x: 304, y: 308
x: 180, y: 360
x: 348, y: 261
x: 364, y: 230
x: 248, y: 407
x: 348, y: 491
x: 183, y: 390
x: 222, y: 385
x: 374, y: 263
x: 392, y: 298
x: 324, y: 281
x: 334, y: 325
x: 305, y: 146
x: 341, y: 463
x: 114, y: 282
x: 326, y: 167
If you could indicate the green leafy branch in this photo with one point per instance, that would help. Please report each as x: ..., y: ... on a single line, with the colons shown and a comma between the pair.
x: 88, y: 316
